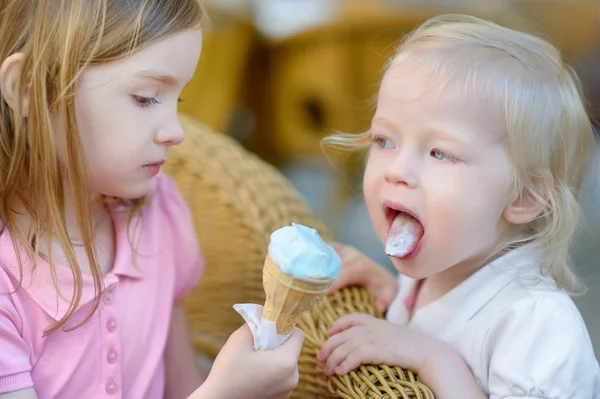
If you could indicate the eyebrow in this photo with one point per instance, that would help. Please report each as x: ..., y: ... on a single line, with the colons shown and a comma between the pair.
x: 430, y: 130
x: 158, y: 77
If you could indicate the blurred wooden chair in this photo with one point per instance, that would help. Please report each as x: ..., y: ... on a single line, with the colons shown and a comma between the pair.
x: 214, y: 93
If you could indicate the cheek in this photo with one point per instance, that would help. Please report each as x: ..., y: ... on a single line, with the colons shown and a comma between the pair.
x: 469, y: 208
x: 101, y: 138
x: 372, y: 179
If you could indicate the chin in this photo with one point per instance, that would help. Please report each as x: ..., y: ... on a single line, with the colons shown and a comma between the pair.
x: 410, y: 268
x: 135, y: 194
x: 130, y: 192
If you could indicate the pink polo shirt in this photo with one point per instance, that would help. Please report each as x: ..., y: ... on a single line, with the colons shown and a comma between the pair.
x: 119, y: 353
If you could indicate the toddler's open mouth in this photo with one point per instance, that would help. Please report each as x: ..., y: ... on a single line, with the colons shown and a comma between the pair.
x: 405, y: 231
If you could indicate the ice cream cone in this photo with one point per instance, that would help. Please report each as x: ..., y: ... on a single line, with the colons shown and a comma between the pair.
x: 287, y: 297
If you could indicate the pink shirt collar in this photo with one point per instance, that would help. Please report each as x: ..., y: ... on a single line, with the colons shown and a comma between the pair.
x: 37, y: 282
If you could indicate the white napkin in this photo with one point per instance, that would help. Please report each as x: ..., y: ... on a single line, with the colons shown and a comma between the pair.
x: 264, y: 331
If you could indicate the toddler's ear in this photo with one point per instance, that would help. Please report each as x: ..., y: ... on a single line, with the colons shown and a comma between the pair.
x: 10, y: 75
x: 528, y: 203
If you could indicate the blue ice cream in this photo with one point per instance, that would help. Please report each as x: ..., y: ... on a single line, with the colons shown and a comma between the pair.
x: 301, y: 252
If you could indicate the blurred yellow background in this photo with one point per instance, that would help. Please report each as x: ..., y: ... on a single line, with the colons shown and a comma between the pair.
x: 279, y: 73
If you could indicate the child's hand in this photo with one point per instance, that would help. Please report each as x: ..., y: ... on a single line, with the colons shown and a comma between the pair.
x: 362, y: 339
x: 358, y: 269
x: 241, y: 372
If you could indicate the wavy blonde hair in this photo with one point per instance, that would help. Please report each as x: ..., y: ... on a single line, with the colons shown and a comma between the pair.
x: 549, y: 138
x: 58, y: 40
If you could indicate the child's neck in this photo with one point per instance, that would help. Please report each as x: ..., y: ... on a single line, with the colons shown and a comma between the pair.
x: 436, y: 286
x: 102, y: 236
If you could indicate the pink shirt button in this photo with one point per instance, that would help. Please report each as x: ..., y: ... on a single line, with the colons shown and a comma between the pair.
x: 111, y: 325
x: 112, y: 356
x: 109, y: 298
x: 111, y: 387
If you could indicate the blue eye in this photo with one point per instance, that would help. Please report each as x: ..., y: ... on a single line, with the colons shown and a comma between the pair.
x: 442, y: 156
x: 145, y: 101
x: 383, y: 143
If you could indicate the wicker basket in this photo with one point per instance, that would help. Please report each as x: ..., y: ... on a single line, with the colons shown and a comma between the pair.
x: 237, y: 201
x: 366, y: 382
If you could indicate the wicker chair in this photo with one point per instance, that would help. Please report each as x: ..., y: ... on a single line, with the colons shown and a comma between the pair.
x: 237, y: 201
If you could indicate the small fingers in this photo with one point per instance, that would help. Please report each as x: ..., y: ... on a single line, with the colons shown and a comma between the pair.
x: 340, y: 355
x: 349, y: 321
x: 385, y: 295
x: 363, y: 354
x: 332, y: 343
x: 348, y: 276
x: 338, y: 247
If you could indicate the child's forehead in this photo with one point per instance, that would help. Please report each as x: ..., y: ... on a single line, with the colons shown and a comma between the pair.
x: 410, y: 82
x: 171, y: 60
x: 412, y: 92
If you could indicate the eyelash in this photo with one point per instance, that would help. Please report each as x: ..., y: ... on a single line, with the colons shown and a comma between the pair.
x: 146, y: 102
x: 450, y: 158
x: 379, y: 140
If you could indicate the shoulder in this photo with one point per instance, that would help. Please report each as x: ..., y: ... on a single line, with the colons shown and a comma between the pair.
x: 539, y: 346
x: 17, y: 335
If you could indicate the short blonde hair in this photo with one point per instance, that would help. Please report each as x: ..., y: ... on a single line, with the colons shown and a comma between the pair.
x: 549, y: 138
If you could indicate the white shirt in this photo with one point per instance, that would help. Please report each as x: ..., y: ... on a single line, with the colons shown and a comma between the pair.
x: 521, y: 336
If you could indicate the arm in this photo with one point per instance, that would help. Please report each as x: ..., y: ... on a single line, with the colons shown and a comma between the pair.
x: 28, y: 393
x: 183, y: 371
x: 207, y: 391
x: 449, y: 377
x: 15, y: 348
x: 361, y: 339
x: 183, y: 374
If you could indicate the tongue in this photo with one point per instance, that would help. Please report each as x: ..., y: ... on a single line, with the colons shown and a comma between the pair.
x: 404, y: 235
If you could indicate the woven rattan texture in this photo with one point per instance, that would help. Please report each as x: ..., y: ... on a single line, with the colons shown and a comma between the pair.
x: 366, y: 382
x: 237, y: 201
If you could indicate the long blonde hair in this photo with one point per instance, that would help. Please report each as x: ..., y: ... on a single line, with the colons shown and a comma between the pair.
x: 548, y: 135
x: 58, y: 39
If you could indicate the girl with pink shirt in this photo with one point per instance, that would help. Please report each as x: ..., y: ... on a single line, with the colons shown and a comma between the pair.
x: 97, y: 246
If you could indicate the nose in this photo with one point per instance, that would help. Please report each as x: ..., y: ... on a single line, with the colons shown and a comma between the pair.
x: 171, y: 133
x: 402, y: 171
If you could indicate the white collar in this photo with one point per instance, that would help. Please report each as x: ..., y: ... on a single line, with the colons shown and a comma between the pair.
x: 465, y: 300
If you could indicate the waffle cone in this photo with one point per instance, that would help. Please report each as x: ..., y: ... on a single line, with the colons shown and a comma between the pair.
x: 287, y: 298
